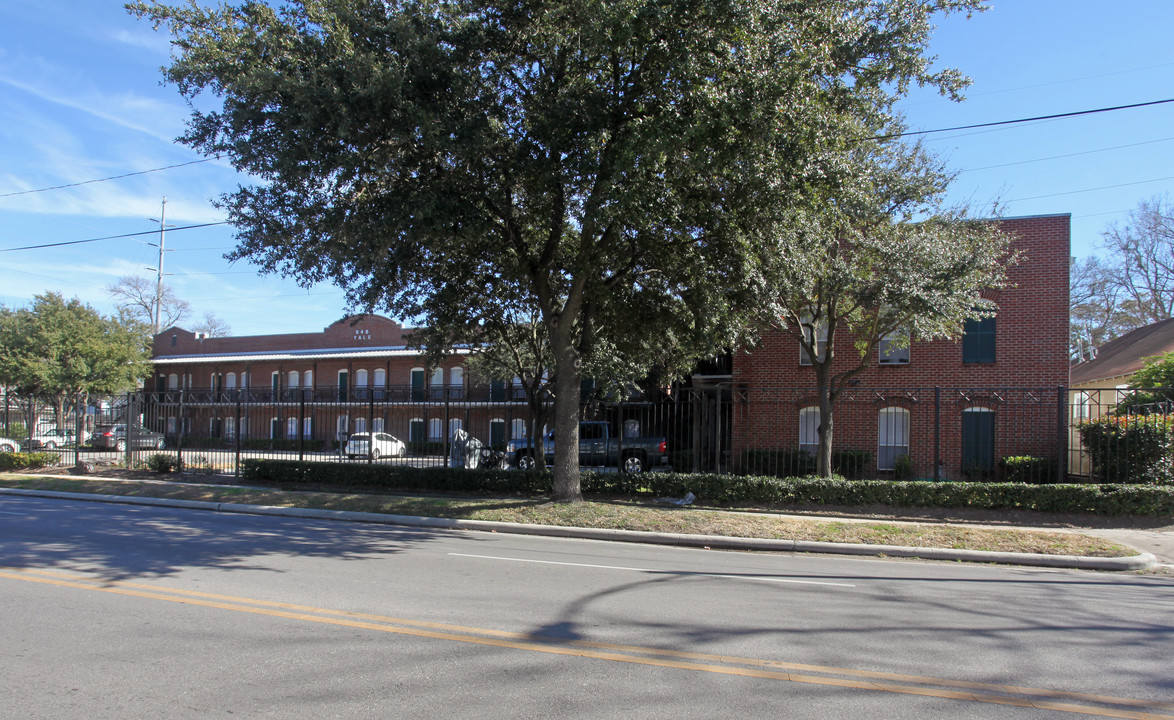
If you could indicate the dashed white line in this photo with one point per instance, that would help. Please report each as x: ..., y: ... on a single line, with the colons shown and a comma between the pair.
x: 759, y: 578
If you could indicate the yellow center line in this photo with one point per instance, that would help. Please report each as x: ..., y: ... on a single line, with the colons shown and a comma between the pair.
x: 656, y: 657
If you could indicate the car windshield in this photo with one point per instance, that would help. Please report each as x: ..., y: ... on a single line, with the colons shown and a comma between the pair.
x: 360, y: 436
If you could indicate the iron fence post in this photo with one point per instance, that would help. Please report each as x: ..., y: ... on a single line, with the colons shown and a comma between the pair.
x: 1062, y: 433
x: 237, y: 439
x: 302, y: 426
x: 937, y: 434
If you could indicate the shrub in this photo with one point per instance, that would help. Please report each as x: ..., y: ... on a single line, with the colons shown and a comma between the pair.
x: 903, y: 467
x: 164, y: 463
x: 779, y: 462
x: 714, y: 489
x: 1028, y: 469
x: 1129, y: 449
x: 32, y: 460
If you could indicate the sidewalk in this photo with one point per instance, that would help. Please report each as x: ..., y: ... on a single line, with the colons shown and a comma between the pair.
x: 1155, y: 547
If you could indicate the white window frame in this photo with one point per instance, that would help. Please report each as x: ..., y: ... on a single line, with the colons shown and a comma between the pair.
x: 436, y: 430
x: 809, y: 430
x: 893, y: 348
x: 820, y: 334
x: 892, y: 436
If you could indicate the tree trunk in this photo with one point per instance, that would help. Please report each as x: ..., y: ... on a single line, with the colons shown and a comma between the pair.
x: 566, y: 426
x: 826, y: 425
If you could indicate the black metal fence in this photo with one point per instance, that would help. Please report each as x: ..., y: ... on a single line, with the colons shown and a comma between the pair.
x: 1029, y: 434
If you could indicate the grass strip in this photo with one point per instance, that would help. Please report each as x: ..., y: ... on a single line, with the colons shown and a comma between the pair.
x: 609, y: 515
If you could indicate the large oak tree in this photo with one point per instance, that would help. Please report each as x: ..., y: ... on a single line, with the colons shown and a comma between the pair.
x: 605, y: 163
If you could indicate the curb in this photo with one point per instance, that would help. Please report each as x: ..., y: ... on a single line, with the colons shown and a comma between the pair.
x: 1143, y: 561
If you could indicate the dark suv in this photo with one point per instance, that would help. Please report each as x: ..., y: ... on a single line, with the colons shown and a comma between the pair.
x: 115, y: 436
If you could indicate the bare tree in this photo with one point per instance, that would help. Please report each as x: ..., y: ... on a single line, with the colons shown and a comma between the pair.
x: 134, y: 296
x: 1143, y: 256
x: 1100, y: 309
x: 212, y: 326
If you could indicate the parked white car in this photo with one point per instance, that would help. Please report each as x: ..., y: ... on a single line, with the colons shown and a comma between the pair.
x: 51, y: 439
x: 8, y: 445
x: 384, y: 445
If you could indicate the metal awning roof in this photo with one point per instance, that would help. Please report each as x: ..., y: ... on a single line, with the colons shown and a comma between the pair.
x: 276, y: 356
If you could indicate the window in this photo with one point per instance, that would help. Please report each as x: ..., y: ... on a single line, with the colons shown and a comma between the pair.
x: 497, y: 432
x: 817, y: 334
x: 894, y: 348
x: 497, y: 391
x: 632, y: 428
x: 230, y: 381
x: 454, y: 424
x: 978, y: 440
x: 380, y: 383
x: 360, y: 424
x: 172, y: 382
x: 306, y: 426
x: 291, y: 427
x: 171, y: 426
x: 436, y: 429
x: 978, y: 341
x: 230, y: 428
x: 518, y: 429
x: 174, y: 339
x: 360, y: 378
x: 518, y: 389
x: 456, y: 382
x: 342, y: 425
x: 418, y: 385
x: 294, y: 378
x: 892, y: 437
x: 309, y: 379
x: 436, y: 384
x: 809, y: 430
x: 274, y: 428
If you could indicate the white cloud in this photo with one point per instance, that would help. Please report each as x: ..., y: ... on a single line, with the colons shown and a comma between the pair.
x: 148, y: 40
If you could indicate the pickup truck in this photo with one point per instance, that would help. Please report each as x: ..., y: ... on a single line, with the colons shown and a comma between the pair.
x: 596, y: 447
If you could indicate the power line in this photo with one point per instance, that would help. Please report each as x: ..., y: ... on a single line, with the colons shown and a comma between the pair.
x: 1023, y: 120
x: 1103, y: 187
x: 105, y: 179
x: 109, y: 237
x: 1068, y: 155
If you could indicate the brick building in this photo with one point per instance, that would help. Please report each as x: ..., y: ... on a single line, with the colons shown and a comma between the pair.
x: 358, y: 374
x: 966, y: 403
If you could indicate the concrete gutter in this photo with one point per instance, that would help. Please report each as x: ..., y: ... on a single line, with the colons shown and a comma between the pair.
x: 1143, y: 561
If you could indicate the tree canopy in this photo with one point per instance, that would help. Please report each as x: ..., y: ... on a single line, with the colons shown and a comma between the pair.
x: 608, y: 167
x: 62, y: 349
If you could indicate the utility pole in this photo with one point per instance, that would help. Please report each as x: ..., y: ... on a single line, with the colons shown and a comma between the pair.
x: 159, y: 270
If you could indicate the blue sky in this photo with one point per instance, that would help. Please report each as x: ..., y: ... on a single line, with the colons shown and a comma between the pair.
x: 80, y: 99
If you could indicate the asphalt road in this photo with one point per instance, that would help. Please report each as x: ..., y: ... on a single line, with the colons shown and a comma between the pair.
x: 122, y: 612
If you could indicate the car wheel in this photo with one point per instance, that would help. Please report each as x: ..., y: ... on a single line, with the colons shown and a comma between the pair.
x: 120, y: 445
x: 634, y: 464
x: 374, y: 454
x: 7, y: 448
x: 160, y: 443
x: 525, y: 461
x: 403, y: 451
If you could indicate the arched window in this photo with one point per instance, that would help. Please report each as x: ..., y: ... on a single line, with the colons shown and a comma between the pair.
x: 454, y: 424
x: 518, y: 429
x: 309, y: 379
x: 294, y: 379
x: 892, y: 437
x: 230, y: 381
x: 436, y: 384
x: 377, y: 424
x: 809, y: 430
x: 456, y: 382
x: 230, y: 428
x: 436, y: 429
x: 361, y: 378
x: 360, y: 424
x: 173, y: 382
x: 291, y: 427
x: 416, y: 430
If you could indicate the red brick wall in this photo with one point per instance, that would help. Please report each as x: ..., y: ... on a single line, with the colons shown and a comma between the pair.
x: 1031, y: 351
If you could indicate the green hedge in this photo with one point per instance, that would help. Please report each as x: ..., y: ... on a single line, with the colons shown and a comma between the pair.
x: 715, y: 489
x: 1028, y: 469
x: 17, y: 460
x: 793, y: 462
